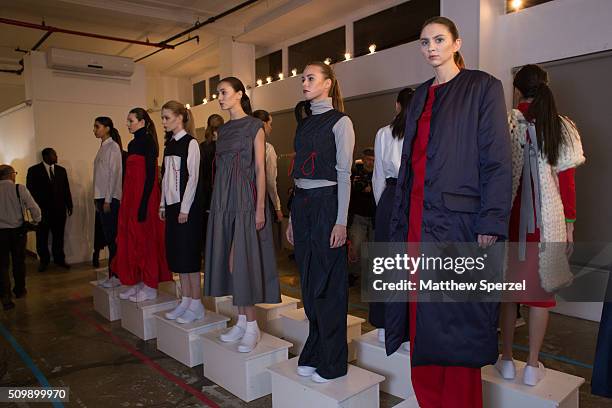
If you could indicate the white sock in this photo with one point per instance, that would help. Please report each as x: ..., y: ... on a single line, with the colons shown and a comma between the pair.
x: 195, y: 305
x: 242, y: 321
x: 184, y: 302
x: 252, y: 326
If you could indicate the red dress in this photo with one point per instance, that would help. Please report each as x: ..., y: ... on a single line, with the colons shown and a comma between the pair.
x: 141, y: 251
x: 434, y: 386
x: 528, y: 269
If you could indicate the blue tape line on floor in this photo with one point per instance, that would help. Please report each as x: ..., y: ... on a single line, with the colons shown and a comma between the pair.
x: 42, y: 380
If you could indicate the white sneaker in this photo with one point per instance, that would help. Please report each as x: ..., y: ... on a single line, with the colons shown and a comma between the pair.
x: 251, y: 337
x: 318, y: 379
x: 234, y: 334
x: 381, y: 335
x: 192, y: 314
x: 179, y: 309
x: 111, y: 283
x: 306, y: 371
x: 126, y: 294
x: 144, y: 294
x: 506, y: 368
x: 533, y: 375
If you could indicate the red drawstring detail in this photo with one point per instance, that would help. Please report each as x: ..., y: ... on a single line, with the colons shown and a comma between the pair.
x: 310, y: 159
x: 291, y: 167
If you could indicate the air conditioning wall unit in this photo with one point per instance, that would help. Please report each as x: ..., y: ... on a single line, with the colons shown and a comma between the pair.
x: 77, y: 61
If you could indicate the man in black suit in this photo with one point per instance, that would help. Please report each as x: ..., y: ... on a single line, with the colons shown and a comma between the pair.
x: 48, y: 183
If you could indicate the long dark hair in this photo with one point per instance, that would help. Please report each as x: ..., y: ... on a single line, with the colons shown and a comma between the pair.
x: 262, y: 115
x: 142, y: 114
x: 237, y: 85
x: 212, y: 125
x: 399, y: 122
x: 454, y: 32
x: 532, y: 82
x: 114, y: 133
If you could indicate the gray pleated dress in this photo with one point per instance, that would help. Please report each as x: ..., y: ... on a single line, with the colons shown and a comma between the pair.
x: 232, y: 219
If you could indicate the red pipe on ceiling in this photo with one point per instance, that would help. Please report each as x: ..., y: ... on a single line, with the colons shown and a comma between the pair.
x: 51, y: 29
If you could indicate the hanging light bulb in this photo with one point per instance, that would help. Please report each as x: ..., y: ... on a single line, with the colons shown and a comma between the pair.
x: 347, y: 56
x: 259, y: 82
x: 214, y: 96
x: 294, y: 72
x: 269, y: 79
x: 327, y: 61
x: 281, y: 76
x: 517, y: 4
x: 372, y: 48
x: 188, y: 106
x: 204, y: 101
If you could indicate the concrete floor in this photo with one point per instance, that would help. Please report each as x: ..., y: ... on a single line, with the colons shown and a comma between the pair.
x: 106, y: 366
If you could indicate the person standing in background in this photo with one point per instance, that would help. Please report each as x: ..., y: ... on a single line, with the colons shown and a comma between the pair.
x: 108, y: 170
x: 207, y: 157
x: 48, y: 183
x: 271, y: 175
x: 13, y: 235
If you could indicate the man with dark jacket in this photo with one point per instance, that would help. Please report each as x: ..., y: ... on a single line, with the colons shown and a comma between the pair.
x: 48, y: 183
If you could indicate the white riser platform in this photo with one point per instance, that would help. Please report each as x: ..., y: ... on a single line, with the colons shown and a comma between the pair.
x: 371, y: 355
x: 242, y: 374
x: 218, y: 304
x: 182, y: 341
x: 410, y: 402
x: 556, y: 390
x: 138, y: 318
x: 169, y: 288
x: 106, y: 301
x: 358, y: 389
x: 268, y: 314
x: 295, y: 329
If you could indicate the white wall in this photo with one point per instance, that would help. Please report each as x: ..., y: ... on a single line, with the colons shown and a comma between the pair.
x: 11, y: 95
x: 64, y: 108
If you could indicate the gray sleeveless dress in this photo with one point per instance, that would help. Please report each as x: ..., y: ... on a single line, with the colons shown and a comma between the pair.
x: 232, y: 219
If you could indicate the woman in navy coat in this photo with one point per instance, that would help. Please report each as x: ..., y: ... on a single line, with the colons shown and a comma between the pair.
x: 454, y: 185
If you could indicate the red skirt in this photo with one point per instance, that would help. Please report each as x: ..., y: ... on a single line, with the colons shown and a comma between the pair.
x: 141, y: 250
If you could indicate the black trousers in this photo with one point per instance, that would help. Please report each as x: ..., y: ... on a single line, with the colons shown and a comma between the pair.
x: 55, y: 224
x: 109, y: 223
x: 12, y: 250
x: 324, y: 280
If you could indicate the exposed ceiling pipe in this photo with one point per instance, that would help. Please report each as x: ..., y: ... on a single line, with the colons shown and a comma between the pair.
x: 52, y: 29
x: 197, y: 38
x: 42, y: 40
x: 198, y: 26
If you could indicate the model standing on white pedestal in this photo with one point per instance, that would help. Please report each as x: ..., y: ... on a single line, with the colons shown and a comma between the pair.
x: 141, y: 254
x: 239, y: 256
x: 181, y: 208
x: 546, y: 150
x: 108, y: 170
x: 324, y: 143
x: 391, y: 319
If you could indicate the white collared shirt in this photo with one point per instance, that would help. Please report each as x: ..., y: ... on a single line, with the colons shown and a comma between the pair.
x: 171, y: 183
x: 108, y: 169
x: 48, y: 168
x: 271, y: 174
x: 387, y: 159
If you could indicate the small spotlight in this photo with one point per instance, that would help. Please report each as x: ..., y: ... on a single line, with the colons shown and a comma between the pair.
x: 269, y: 79
x: 517, y: 4
x: 294, y: 72
x: 281, y: 76
x: 188, y: 106
x: 327, y: 61
x: 259, y: 82
x: 214, y: 96
x: 372, y: 48
x: 204, y: 101
x: 347, y: 56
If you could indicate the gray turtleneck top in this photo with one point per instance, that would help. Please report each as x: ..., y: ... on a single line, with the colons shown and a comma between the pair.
x: 345, y: 143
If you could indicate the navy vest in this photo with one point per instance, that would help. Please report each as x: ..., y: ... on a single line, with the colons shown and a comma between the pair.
x: 315, y: 147
x: 179, y: 148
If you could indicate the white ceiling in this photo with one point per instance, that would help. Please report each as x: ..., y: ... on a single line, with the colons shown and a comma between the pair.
x: 264, y: 23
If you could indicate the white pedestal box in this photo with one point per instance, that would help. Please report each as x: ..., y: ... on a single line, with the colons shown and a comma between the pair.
x: 556, y: 390
x: 182, y: 342
x: 218, y: 304
x: 268, y: 314
x: 410, y: 402
x: 106, y: 301
x: 242, y: 374
x: 169, y: 288
x: 295, y: 329
x: 138, y: 318
x: 358, y: 389
x: 371, y: 355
